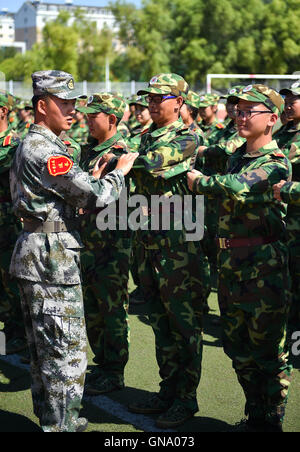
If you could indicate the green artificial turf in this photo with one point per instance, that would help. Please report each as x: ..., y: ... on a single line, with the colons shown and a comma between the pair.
x: 220, y: 397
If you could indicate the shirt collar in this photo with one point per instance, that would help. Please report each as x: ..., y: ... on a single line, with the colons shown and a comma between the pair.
x: 47, y: 133
x: 177, y: 125
x: 108, y: 143
x: 269, y: 148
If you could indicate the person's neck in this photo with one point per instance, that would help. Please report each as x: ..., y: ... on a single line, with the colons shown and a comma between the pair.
x: 296, y: 121
x: 167, y: 122
x: 107, y: 136
x: 188, y: 121
x: 3, y: 125
x: 255, y: 143
x: 44, y: 124
x: 209, y: 121
x: 148, y: 123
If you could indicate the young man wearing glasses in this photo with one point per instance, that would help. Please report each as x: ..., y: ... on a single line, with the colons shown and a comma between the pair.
x: 254, y: 281
x: 170, y: 266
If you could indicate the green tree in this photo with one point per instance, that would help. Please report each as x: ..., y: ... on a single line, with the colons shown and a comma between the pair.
x: 145, y: 35
x: 94, y: 48
x: 59, y: 45
x: 196, y: 37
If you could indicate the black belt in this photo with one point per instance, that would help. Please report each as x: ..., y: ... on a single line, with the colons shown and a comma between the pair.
x: 241, y: 242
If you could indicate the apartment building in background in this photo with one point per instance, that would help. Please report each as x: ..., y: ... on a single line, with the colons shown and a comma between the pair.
x: 33, y: 15
x: 7, y: 31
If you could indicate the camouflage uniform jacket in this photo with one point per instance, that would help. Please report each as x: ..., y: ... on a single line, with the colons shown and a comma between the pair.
x: 23, y: 128
x: 290, y: 193
x: 194, y: 127
x: 37, y: 194
x: 73, y: 148
x: 9, y: 142
x: 166, y: 154
x: 212, y: 132
x: 79, y: 132
x: 216, y: 155
x: 247, y: 209
x: 136, y: 134
x: 124, y: 129
x: 288, y: 140
x: 13, y: 120
x: 118, y: 146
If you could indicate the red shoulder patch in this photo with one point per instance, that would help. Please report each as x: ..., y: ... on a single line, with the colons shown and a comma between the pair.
x: 220, y: 125
x: 59, y: 165
x: 67, y: 143
x: 7, y: 140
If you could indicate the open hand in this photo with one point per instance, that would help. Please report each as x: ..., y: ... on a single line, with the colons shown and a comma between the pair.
x: 277, y: 188
x: 191, y: 176
x: 126, y: 161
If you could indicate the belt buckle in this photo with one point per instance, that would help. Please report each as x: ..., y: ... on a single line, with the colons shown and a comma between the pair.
x: 224, y: 243
x: 57, y: 226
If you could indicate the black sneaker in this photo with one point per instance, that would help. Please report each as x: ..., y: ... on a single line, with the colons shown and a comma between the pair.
x: 175, y: 416
x: 152, y: 405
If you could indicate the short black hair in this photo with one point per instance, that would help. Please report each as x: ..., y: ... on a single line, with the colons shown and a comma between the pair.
x: 35, y: 100
x: 193, y: 110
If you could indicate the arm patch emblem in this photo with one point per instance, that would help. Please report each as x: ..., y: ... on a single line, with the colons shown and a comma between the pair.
x: 57, y: 166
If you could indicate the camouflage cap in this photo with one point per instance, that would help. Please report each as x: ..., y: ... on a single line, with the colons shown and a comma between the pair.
x: 140, y: 100
x: 24, y: 105
x: 167, y: 84
x: 233, y: 91
x: 262, y: 94
x: 207, y: 100
x: 294, y: 89
x: 58, y: 83
x: 6, y: 100
x: 109, y: 103
x: 131, y: 100
x: 192, y: 99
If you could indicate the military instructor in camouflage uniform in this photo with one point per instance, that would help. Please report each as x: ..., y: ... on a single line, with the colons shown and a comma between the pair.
x: 46, y: 188
x: 254, y: 281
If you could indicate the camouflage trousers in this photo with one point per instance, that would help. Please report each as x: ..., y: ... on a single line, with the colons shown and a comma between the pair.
x: 134, y: 265
x: 294, y: 250
x: 56, y: 335
x: 10, y: 305
x: 171, y: 279
x: 254, y: 317
x: 209, y: 244
x: 105, y: 288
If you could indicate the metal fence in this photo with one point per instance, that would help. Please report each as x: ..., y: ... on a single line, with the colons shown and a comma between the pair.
x: 219, y: 83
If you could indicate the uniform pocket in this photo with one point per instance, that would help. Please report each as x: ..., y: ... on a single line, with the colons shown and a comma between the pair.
x: 63, y: 308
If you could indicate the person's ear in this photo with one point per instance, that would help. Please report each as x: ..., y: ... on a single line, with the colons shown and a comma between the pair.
x: 112, y: 120
x: 179, y: 103
x: 42, y: 106
x: 273, y: 119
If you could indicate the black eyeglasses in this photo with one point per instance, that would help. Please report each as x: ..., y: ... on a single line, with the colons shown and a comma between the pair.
x: 248, y: 113
x: 158, y: 98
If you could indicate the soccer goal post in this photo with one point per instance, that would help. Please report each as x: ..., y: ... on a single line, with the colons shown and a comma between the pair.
x: 251, y: 77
